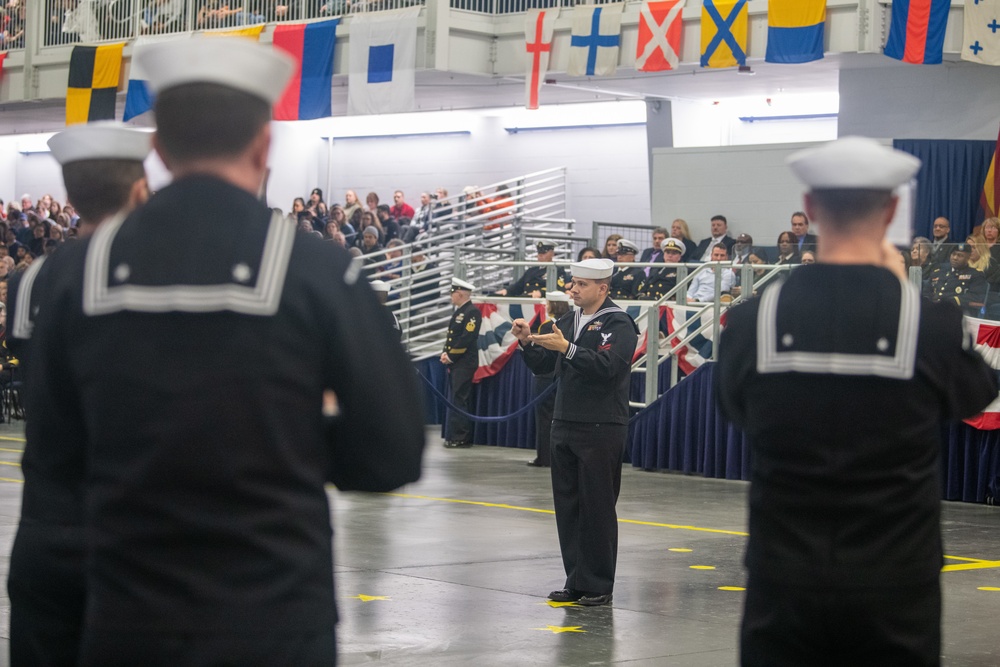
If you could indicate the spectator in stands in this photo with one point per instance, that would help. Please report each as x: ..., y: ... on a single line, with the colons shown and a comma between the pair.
x: 661, y: 281
x: 351, y: 203
x: 720, y: 235
x: 330, y: 229
x: 940, y: 248
x: 442, y: 207
x: 800, y: 227
x: 393, y: 270
x: 305, y: 223
x: 369, y: 244
x: 298, y: 207
x: 345, y: 228
x: 626, y: 279
x: 26, y: 206
x: 50, y: 246
x: 316, y: 203
x: 588, y: 252
x: 920, y: 254
x: 13, y: 36
x: 787, y: 251
x: 422, y: 219
x: 809, y: 257
x: 981, y: 260
x: 356, y: 221
x: 162, y: 16
x: 702, y: 286
x: 502, y: 204
x: 958, y: 282
x: 371, y: 201
x: 752, y: 258
x: 6, y: 266
x: 423, y: 278
x: 534, y: 281
x: 400, y: 208
x: 679, y: 230
x: 37, y: 245
x: 391, y: 227
x: 611, y: 246
x: 991, y: 232
x: 742, y: 249
x: 655, y: 253
x: 339, y: 239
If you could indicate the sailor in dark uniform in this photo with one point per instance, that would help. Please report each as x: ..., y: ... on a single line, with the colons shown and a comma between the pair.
x: 958, y: 282
x: 590, y: 350
x: 103, y: 173
x: 662, y: 280
x: 206, y: 514
x: 381, y: 289
x: 534, y: 281
x: 625, y: 280
x: 844, y: 555
x: 461, y: 356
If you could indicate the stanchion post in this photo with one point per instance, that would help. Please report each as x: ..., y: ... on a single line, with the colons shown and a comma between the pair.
x: 717, y: 309
x: 652, y: 353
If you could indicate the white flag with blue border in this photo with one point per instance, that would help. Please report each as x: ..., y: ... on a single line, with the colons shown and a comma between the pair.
x: 981, y: 40
x: 139, y: 98
x: 383, y: 54
x: 596, y: 40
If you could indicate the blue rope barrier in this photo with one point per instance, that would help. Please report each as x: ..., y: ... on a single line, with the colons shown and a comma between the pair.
x: 520, y: 411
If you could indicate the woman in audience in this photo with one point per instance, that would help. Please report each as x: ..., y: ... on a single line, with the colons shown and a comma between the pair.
x: 611, y: 247
x: 752, y: 258
x: 788, y: 252
x: 991, y: 233
x: 347, y: 229
x: 980, y: 260
x: 920, y: 253
x: 351, y: 203
x: 369, y: 219
x: 372, y: 201
x: 679, y: 230
x: 330, y: 229
x: 56, y: 233
x: 588, y: 253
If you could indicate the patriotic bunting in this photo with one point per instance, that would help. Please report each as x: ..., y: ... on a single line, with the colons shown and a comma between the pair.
x: 724, y: 33
x: 916, y: 33
x: 595, y: 41
x: 538, y: 30
x: 659, y: 43
x: 986, y: 335
x: 981, y: 40
x: 94, y: 76
x: 795, y: 30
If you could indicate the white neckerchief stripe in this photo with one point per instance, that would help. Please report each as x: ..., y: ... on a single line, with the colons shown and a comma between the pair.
x: 898, y: 367
x: 22, y: 326
x: 261, y: 299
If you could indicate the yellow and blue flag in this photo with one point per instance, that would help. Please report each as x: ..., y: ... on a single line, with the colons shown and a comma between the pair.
x: 795, y: 30
x: 723, y: 33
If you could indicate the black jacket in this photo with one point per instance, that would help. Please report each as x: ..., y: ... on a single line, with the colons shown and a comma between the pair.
x: 462, y: 344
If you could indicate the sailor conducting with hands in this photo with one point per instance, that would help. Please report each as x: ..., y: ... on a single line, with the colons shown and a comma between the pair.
x: 590, y: 350
x: 844, y: 555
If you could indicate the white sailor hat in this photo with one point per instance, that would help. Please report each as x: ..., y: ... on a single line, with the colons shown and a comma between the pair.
x: 237, y: 63
x: 627, y: 246
x: 100, y: 141
x: 557, y: 296
x: 853, y: 163
x: 380, y: 286
x: 592, y: 269
x: 459, y: 284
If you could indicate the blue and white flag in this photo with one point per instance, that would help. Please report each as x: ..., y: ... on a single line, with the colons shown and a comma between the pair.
x: 139, y: 98
x: 383, y: 54
x: 596, y: 39
x: 981, y: 43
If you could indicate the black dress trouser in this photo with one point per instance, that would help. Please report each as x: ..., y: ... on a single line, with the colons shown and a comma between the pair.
x: 460, y: 374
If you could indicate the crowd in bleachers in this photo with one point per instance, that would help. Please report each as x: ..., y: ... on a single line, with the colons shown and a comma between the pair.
x: 963, y: 270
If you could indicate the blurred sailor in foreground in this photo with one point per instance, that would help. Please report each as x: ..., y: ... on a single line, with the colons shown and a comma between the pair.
x: 103, y: 174
x: 188, y: 347
x: 590, y: 350
x: 844, y: 554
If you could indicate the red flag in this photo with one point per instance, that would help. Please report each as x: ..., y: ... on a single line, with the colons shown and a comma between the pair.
x: 990, y: 198
x: 659, y: 43
x: 538, y: 32
x: 3, y: 56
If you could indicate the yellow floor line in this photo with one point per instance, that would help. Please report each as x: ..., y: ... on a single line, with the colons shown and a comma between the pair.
x: 9, y: 439
x: 8, y: 449
x: 11, y: 479
x: 10, y: 463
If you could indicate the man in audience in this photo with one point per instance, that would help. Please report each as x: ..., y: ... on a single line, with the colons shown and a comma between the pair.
x: 800, y: 227
x: 720, y: 235
x: 625, y: 280
x: 958, y: 282
x: 742, y: 249
x: 590, y: 350
x: 461, y: 356
x: 400, y: 209
x: 534, y: 281
x: 103, y: 173
x: 422, y: 218
x: 206, y: 514
x: 662, y: 280
x: 702, y: 286
x: 393, y: 270
x: 844, y: 555
x: 654, y: 254
x: 940, y: 247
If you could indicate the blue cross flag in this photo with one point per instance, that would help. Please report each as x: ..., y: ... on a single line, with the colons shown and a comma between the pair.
x: 723, y: 33
x: 981, y: 41
x: 595, y: 40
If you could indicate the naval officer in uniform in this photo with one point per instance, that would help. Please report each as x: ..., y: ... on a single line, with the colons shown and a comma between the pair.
x: 958, y: 282
x: 188, y: 347
x: 102, y: 166
x: 461, y: 356
x: 590, y: 350
x: 625, y: 280
x: 534, y: 281
x: 844, y: 554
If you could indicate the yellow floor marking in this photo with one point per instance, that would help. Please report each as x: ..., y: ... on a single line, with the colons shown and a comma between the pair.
x: 11, y: 479
x: 681, y: 551
x: 7, y: 449
x: 369, y: 598
x: 731, y: 588
x: 10, y: 463
x: 558, y: 629
x: 702, y: 567
x: 9, y: 439
x: 988, y: 588
x: 556, y: 605
x: 977, y: 565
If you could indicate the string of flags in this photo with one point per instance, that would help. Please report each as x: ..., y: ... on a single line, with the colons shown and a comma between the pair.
x: 382, y: 52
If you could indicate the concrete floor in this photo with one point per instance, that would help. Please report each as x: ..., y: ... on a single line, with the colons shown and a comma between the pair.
x: 454, y: 570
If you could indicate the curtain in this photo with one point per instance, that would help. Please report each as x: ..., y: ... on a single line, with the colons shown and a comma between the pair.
x: 949, y: 183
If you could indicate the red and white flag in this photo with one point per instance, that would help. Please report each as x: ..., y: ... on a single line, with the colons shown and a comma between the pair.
x: 538, y: 31
x: 986, y: 338
x: 659, y: 43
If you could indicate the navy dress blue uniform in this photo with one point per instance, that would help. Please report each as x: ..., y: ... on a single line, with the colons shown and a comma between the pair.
x: 535, y: 278
x: 462, y: 347
x: 188, y: 347
x: 845, y: 495
x: 625, y: 282
x: 589, y: 429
